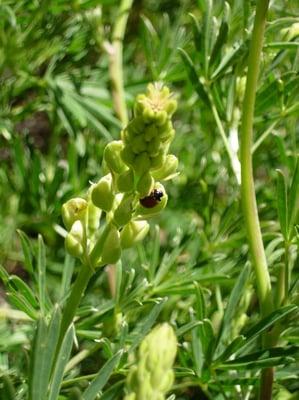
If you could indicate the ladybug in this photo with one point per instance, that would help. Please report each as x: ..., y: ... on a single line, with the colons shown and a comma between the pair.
x: 152, y: 200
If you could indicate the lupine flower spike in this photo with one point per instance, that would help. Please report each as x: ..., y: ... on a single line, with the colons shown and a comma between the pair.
x: 152, y: 376
x: 131, y: 192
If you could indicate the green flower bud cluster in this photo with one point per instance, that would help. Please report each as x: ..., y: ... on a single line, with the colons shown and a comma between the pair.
x: 130, y: 193
x: 147, y: 138
x: 152, y: 376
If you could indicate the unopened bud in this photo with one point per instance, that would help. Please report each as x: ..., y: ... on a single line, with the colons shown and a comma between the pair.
x: 168, y: 169
x: 112, y: 156
x: 73, y: 210
x: 125, y: 181
x: 102, y: 193
x: 133, y: 232
x: 123, y: 212
x: 111, y: 250
x: 74, y: 240
x: 145, y: 184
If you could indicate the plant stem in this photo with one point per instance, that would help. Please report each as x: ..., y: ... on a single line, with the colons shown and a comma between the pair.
x: 73, y: 302
x: 80, y: 285
x: 247, y: 183
x: 116, y: 61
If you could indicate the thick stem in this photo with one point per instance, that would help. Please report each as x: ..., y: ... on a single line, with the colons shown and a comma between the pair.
x: 247, y: 182
x: 116, y: 61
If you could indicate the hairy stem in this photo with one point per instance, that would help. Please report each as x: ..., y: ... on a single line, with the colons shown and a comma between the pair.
x: 116, y: 61
x: 247, y: 182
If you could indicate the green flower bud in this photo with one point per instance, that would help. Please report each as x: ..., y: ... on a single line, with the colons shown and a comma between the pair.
x: 149, y: 212
x: 74, y: 240
x: 168, y: 169
x: 136, y: 126
x: 123, y: 212
x: 111, y: 250
x: 150, y: 132
x: 139, y: 144
x: 161, y: 117
x: 153, y: 147
x: 142, y: 163
x: 112, y: 156
x: 153, y: 376
x: 128, y: 156
x: 132, y: 233
x: 145, y: 185
x: 125, y: 181
x: 102, y: 193
x: 73, y: 210
x: 159, y: 160
x: 93, y: 217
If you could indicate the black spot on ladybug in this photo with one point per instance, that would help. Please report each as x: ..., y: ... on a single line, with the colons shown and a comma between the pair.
x: 153, y: 199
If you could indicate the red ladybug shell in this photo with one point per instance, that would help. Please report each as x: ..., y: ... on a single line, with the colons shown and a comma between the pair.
x: 152, y: 200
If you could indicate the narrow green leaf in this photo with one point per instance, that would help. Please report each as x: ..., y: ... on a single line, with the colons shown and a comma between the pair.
x: 188, y: 327
x: 232, y: 307
x: 293, y: 203
x: 267, y: 323
x: 112, y: 392
x: 154, y: 261
x: 20, y: 287
x: 197, y: 348
x: 22, y: 304
x: 192, y: 74
x: 27, y: 251
x: 47, y: 354
x: 264, y: 358
x: 62, y: 359
x: 146, y: 324
x: 221, y: 38
x: 40, y: 343
x: 231, y: 348
x: 229, y: 58
x: 102, y: 377
x: 197, y: 35
x: 41, y: 266
x: 208, y: 30
x: 282, y: 206
x: 67, y: 274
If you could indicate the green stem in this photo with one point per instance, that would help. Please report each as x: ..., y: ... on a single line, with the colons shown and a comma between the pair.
x: 79, y: 286
x: 247, y: 183
x: 116, y: 61
x: 73, y: 302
